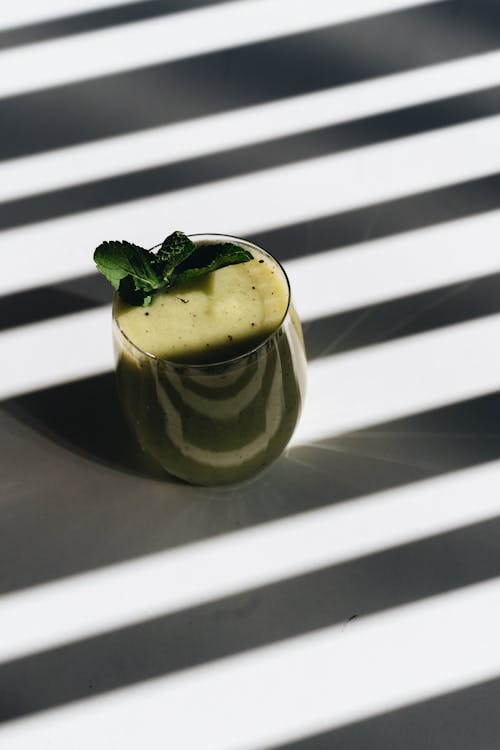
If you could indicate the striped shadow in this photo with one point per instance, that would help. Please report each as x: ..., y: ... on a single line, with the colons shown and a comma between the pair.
x: 42, y: 303
x: 112, y: 157
x: 383, y: 219
x: 332, y: 334
x: 173, y: 37
x: 255, y: 618
x: 346, y: 674
x: 302, y: 191
x: 382, y: 223
x: 163, y: 179
x: 29, y: 11
x: 78, y: 346
x: 397, y: 378
x: 104, y: 17
x: 243, y: 76
x: 113, y: 527
x: 401, y: 317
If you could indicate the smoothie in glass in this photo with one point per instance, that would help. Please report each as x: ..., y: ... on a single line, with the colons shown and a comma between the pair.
x: 211, y: 375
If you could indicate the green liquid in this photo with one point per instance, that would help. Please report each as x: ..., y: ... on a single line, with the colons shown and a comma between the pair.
x: 224, y: 314
x: 219, y: 413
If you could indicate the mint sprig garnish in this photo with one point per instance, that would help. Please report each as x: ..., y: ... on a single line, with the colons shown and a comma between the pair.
x: 173, y: 251
x: 137, y: 274
x: 117, y: 260
x: 209, y: 258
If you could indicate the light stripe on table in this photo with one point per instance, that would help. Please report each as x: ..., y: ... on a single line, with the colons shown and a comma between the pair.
x: 345, y: 392
x: 295, y: 688
x: 249, y: 203
x: 176, y: 36
x: 402, y: 377
x: 90, y: 603
x: 167, y: 144
x: 379, y: 270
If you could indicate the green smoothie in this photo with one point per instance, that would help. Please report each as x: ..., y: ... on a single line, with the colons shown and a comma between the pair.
x: 211, y: 374
x: 226, y: 313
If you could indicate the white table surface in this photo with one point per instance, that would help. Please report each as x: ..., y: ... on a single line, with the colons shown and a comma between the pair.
x: 350, y: 596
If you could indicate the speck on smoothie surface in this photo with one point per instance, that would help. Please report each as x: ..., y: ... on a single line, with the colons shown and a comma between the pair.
x: 227, y: 312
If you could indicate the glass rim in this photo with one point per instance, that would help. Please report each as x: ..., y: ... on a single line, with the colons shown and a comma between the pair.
x: 230, y: 360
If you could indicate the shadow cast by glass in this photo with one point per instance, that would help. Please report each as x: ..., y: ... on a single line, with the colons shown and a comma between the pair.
x: 132, y: 512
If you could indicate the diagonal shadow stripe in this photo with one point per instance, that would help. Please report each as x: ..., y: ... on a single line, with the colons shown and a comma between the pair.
x: 255, y: 618
x: 383, y: 219
x: 326, y: 233
x: 103, y: 18
x: 246, y: 75
x: 372, y: 324
x: 46, y: 302
x: 130, y: 513
x: 462, y: 720
x: 249, y: 159
x: 405, y: 316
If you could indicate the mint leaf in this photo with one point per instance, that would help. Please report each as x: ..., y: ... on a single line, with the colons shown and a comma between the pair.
x: 174, y: 249
x: 209, y: 258
x: 137, y: 274
x: 118, y: 260
x: 133, y: 296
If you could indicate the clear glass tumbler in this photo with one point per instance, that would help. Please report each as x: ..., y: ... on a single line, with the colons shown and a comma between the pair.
x: 220, y: 422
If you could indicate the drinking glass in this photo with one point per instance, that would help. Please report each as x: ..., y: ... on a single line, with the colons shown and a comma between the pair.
x: 223, y: 421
